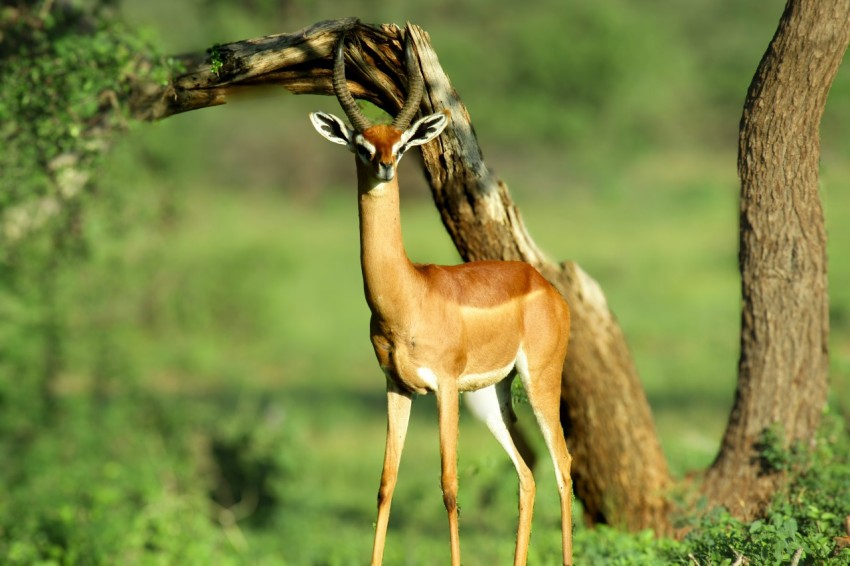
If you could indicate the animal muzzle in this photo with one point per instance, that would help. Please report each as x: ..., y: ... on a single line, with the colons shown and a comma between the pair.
x: 385, y: 171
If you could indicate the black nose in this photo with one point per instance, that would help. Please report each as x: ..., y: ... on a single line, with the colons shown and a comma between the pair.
x: 385, y: 172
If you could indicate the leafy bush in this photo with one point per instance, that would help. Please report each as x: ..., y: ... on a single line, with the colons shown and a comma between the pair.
x: 156, y: 483
x: 125, y: 495
x: 63, y: 72
x: 808, y: 515
x: 253, y: 460
x: 606, y: 545
x: 86, y: 477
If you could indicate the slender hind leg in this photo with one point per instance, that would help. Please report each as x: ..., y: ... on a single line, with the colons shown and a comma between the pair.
x: 447, y: 410
x: 526, y: 450
x: 544, y: 394
x: 493, y: 406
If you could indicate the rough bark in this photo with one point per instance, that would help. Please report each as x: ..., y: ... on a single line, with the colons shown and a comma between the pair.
x: 782, y: 380
x: 619, y: 469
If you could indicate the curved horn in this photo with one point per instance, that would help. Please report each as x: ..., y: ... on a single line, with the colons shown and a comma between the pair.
x: 343, y: 95
x: 415, y: 88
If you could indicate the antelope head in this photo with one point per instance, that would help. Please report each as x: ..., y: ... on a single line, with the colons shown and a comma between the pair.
x: 378, y: 148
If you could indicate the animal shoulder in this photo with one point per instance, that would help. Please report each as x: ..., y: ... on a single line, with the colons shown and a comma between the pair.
x: 483, y: 283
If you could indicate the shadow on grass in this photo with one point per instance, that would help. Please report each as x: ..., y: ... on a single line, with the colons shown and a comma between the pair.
x: 685, y: 401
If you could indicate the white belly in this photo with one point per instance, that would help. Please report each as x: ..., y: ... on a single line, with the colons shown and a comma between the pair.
x: 476, y: 381
x: 473, y: 381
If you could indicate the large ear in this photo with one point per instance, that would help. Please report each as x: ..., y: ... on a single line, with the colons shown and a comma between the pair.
x: 332, y: 128
x: 424, y: 130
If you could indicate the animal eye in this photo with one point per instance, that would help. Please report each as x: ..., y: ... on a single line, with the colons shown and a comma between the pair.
x: 363, y: 152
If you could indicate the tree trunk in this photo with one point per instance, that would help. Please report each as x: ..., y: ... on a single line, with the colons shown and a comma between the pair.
x: 782, y: 379
x: 619, y: 470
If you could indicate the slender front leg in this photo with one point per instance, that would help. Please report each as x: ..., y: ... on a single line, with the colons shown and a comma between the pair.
x: 398, y: 415
x: 447, y: 408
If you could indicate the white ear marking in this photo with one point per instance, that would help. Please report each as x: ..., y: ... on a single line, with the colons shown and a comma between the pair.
x: 424, y: 130
x: 332, y: 128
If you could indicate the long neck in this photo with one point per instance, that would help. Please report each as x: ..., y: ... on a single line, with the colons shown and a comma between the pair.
x: 389, y: 277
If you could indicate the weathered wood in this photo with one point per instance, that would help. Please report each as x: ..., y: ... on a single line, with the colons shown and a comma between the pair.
x: 620, y: 471
x: 299, y: 62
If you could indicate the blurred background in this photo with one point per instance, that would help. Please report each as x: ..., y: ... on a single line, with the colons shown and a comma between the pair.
x: 203, y: 352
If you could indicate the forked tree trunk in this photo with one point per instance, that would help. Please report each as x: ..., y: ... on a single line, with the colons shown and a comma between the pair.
x: 619, y: 470
x: 782, y: 372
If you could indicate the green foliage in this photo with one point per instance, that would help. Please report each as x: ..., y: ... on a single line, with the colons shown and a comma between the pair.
x: 121, y: 496
x: 606, y: 545
x: 253, y: 453
x: 775, y: 455
x: 157, y: 485
x: 807, y: 515
x: 215, y: 59
x: 56, y: 81
x: 63, y: 72
x: 76, y: 490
